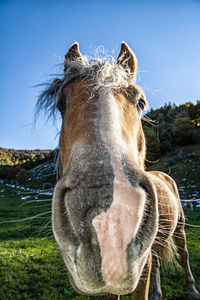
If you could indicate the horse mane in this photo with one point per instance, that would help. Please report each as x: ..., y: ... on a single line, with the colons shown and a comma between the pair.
x: 107, y: 73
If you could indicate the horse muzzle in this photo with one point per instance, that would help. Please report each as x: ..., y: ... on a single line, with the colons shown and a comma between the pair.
x: 104, y: 226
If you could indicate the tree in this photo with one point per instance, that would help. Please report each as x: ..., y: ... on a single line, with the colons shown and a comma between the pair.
x: 183, y: 129
x: 153, y: 144
x: 21, y: 175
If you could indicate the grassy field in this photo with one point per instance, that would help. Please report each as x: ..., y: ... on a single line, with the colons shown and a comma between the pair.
x: 31, y: 266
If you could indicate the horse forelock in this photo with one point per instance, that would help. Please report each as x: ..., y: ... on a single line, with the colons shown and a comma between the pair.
x: 106, y: 74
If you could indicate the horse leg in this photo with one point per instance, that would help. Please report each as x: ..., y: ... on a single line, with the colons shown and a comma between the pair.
x: 180, y: 238
x: 155, y: 275
x: 142, y: 290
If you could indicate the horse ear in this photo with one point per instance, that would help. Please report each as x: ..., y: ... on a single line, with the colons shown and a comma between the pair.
x: 73, y: 54
x: 128, y: 60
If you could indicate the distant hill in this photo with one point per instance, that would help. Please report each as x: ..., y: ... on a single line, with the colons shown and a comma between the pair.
x: 12, y: 157
x: 15, y: 164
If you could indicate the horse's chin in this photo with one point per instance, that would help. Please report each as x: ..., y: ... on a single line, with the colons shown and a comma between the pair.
x: 86, y: 278
x: 101, y: 288
x: 105, y: 289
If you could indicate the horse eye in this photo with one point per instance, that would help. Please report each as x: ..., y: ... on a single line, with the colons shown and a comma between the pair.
x: 141, y: 104
x: 61, y: 106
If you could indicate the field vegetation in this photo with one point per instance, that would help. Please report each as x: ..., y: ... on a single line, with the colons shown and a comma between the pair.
x: 31, y: 266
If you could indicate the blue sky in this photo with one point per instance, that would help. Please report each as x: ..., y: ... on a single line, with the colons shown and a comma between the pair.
x: 34, y: 36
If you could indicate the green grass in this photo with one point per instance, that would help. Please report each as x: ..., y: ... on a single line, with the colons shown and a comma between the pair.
x: 173, y: 280
x: 31, y: 266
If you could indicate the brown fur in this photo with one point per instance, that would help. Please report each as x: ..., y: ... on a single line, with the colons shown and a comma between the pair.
x: 77, y: 120
x: 77, y: 103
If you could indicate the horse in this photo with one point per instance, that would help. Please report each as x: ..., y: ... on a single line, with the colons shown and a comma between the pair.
x: 113, y: 220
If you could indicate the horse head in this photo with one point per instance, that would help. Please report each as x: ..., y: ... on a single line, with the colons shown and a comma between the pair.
x: 105, y: 215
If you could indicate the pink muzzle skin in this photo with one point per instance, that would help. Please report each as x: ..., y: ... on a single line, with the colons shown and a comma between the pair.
x: 117, y: 227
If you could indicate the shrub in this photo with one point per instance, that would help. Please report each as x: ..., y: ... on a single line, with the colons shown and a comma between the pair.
x: 21, y: 175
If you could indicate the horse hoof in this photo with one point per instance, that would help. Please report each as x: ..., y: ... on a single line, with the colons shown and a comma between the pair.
x: 156, y: 297
x: 193, y: 294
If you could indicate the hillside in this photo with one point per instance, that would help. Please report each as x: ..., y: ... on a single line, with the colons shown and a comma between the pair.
x: 16, y: 164
x: 173, y: 139
x: 183, y: 165
x: 11, y: 157
x: 171, y: 127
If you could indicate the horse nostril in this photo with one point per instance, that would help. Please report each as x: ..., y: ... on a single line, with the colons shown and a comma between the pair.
x: 67, y: 190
